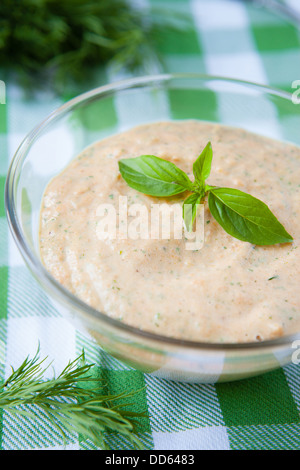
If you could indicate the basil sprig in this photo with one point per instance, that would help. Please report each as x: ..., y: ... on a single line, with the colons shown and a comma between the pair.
x: 240, y: 214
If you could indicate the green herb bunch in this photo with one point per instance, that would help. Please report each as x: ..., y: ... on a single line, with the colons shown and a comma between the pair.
x: 64, y: 39
x: 240, y: 214
x: 69, y: 402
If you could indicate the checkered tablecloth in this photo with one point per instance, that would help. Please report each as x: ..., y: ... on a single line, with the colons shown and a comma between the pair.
x: 230, y: 38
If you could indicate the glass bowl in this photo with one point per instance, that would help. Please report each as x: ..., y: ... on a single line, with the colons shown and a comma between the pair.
x: 107, y: 110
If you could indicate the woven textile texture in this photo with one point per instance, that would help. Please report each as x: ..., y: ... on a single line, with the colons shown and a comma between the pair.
x: 230, y: 38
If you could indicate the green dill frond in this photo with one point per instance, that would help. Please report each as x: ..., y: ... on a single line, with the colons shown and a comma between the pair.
x: 63, y: 40
x: 71, y: 407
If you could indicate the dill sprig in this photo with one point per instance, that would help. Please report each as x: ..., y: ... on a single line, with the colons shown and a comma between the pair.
x: 69, y: 402
x: 57, y: 41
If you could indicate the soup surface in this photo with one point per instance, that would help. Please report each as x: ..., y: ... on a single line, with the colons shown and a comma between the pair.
x: 224, y: 291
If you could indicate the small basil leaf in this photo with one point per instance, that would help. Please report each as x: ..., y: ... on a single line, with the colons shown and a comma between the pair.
x: 245, y: 217
x: 189, y: 210
x: 154, y: 176
x: 202, y: 166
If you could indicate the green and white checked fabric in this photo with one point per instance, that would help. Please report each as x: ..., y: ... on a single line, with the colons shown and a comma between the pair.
x: 230, y: 38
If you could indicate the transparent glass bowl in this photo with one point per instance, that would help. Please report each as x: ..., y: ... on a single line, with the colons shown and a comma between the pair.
x: 108, y: 110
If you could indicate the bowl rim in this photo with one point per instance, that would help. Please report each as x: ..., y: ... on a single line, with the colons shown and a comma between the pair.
x: 49, y: 283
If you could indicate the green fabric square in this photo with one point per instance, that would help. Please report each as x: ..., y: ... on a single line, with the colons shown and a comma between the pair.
x: 276, y: 437
x: 178, y: 42
x: 181, y: 39
x: 117, y: 381
x: 3, y: 119
x: 263, y: 400
x: 276, y: 38
x: 3, y: 291
x: 115, y: 378
x: 193, y: 104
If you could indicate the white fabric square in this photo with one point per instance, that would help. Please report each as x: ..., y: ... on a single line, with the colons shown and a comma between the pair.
x: 246, y: 66
x: 57, y: 339
x: 219, y: 14
x: 207, y: 438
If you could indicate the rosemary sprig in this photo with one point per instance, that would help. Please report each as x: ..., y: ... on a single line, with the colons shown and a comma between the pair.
x: 70, y: 407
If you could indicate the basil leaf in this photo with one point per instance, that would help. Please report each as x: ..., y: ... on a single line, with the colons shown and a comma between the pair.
x: 154, y: 176
x: 189, y: 210
x: 202, y: 166
x: 245, y: 217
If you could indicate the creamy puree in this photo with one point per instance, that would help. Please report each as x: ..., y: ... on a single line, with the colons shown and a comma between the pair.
x: 228, y: 291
